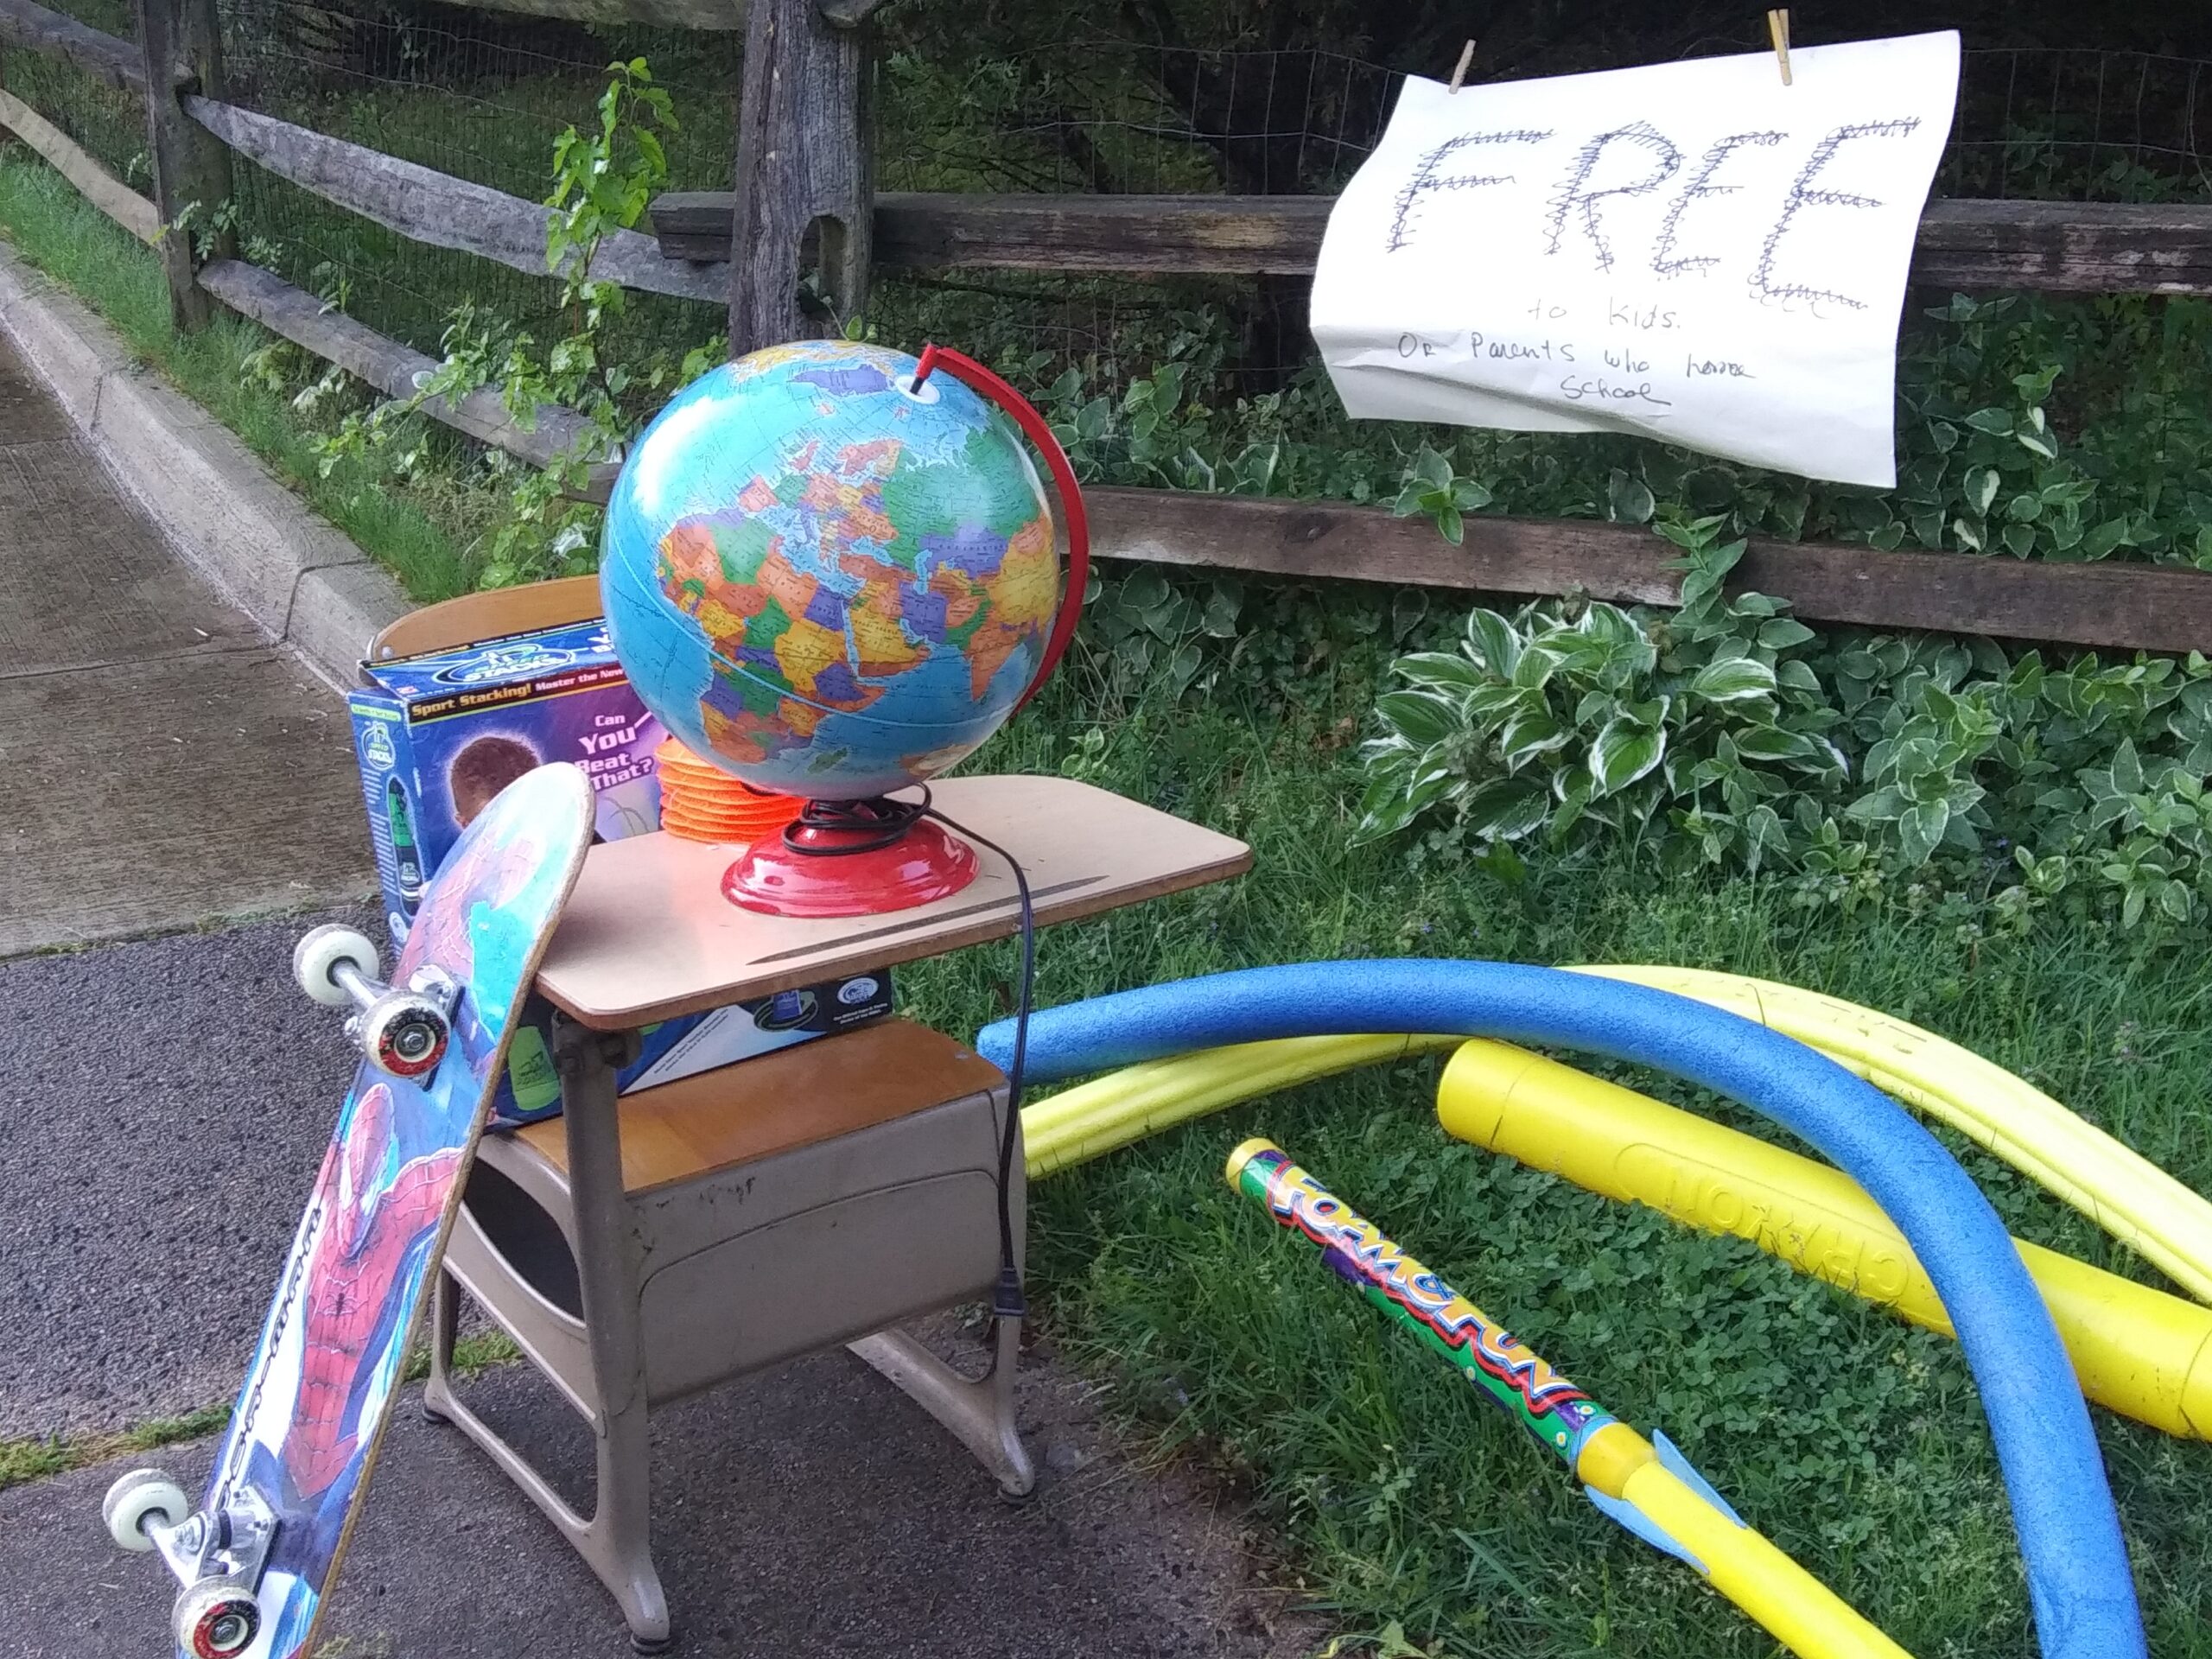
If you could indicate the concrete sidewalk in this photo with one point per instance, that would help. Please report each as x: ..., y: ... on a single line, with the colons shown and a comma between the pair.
x: 166, y: 763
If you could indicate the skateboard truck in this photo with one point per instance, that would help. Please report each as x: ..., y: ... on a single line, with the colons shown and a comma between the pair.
x: 216, y: 1558
x: 402, y: 1029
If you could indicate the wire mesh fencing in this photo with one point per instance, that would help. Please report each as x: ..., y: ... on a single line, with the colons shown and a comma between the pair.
x: 2072, y: 125
x: 110, y: 125
x: 484, y: 95
x: 481, y: 95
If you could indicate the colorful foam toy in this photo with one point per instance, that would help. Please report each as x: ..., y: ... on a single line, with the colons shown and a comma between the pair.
x: 1646, y: 1485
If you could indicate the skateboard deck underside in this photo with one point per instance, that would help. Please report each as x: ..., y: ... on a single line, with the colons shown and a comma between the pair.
x: 307, y: 1422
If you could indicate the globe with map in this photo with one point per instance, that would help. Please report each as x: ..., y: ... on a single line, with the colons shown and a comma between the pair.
x: 825, y: 579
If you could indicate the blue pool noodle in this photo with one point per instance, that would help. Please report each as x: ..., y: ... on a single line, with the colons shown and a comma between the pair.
x: 2079, y: 1586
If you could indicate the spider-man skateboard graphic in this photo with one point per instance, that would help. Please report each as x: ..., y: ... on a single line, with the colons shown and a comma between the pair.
x: 256, y: 1558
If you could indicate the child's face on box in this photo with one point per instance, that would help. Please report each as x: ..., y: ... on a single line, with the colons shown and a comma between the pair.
x: 482, y: 769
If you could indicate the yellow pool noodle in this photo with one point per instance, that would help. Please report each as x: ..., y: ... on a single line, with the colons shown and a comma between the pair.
x: 2124, y: 1192
x: 1108, y: 1113
x: 2136, y: 1351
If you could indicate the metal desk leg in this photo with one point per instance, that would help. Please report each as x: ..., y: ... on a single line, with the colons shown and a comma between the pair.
x: 979, y: 1412
x: 616, y: 1542
x: 445, y: 1329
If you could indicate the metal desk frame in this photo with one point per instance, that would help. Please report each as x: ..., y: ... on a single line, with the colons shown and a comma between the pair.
x: 1092, y: 851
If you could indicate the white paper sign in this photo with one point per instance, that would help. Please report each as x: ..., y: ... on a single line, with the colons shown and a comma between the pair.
x: 1692, y: 251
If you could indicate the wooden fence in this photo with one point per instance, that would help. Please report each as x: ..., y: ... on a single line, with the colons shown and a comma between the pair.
x: 803, y: 165
x: 2055, y: 246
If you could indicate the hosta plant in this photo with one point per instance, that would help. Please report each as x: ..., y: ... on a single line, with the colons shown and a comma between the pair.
x: 1689, y: 730
x: 1729, y: 734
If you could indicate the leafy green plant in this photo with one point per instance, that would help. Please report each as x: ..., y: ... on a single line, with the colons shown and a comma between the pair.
x: 603, y: 181
x: 1729, y: 734
x: 1435, y: 490
x: 1987, y: 476
x: 1149, y: 632
x: 1918, y: 773
x: 1578, y: 717
x: 1157, y: 435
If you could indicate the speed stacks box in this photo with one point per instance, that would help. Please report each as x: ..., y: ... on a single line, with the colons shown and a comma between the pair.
x: 439, y: 735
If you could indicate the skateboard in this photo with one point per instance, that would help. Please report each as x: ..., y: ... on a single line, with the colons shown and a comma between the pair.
x: 257, y: 1556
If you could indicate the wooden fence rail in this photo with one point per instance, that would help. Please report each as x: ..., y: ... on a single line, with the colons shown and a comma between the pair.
x: 396, y: 370
x: 443, y: 211
x: 118, y: 63
x: 97, y: 186
x: 2055, y: 246
x: 2138, y: 607
x: 660, y: 13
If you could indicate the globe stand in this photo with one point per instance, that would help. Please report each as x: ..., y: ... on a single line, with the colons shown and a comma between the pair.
x: 851, y: 858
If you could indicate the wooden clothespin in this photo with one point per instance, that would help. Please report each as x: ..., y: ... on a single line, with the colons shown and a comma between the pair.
x: 1777, y: 29
x: 1460, y: 69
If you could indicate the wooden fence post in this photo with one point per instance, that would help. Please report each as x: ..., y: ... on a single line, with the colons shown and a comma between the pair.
x: 804, y: 160
x: 181, y: 42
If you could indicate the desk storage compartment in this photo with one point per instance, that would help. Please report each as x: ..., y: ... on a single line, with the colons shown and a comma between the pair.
x: 838, y: 1271
x: 524, y: 1234
x: 777, y: 1207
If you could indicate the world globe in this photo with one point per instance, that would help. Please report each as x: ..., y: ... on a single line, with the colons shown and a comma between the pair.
x: 825, y: 579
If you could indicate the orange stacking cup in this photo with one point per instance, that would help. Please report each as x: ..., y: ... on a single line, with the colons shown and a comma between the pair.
x: 700, y: 802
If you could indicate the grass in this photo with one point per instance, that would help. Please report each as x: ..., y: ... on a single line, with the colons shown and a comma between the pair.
x: 422, y: 534
x: 1395, y: 1497
x: 25, y: 1461
x: 22, y: 1461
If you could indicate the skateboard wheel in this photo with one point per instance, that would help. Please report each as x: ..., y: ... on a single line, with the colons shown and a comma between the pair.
x: 319, y: 953
x: 216, y: 1621
x: 141, y: 1496
x: 405, y: 1033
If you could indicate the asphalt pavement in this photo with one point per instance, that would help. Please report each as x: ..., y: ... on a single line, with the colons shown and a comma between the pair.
x: 808, y: 1511
x: 166, y: 1094
x: 166, y: 1105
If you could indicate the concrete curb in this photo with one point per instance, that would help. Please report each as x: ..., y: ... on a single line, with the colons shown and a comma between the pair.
x: 301, y: 580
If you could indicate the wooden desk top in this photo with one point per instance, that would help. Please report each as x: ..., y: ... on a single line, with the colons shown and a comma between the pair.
x: 648, y: 935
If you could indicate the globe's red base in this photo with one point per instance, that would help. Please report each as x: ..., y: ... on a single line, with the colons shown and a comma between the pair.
x: 922, y: 864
